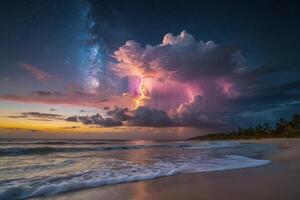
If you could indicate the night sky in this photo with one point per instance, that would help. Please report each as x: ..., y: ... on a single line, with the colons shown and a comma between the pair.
x: 146, y: 69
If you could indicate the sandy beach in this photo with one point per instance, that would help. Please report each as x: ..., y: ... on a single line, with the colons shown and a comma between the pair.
x: 278, y: 180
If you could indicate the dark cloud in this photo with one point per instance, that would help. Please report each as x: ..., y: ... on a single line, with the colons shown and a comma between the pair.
x: 41, y: 119
x: 120, y: 114
x: 39, y: 116
x: 70, y: 127
x: 21, y: 130
x: 103, y: 100
x: 264, y: 71
x: 95, y: 119
x: 46, y: 93
x: 187, y: 114
x: 106, y: 108
x: 144, y: 116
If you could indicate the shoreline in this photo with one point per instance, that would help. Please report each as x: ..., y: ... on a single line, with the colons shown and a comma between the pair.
x: 277, y: 180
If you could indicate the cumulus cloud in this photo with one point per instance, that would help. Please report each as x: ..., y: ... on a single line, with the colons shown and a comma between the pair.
x: 182, y: 63
x: 181, y: 56
x: 220, y: 73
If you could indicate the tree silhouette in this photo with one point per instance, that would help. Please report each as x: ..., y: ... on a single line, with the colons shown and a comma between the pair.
x: 283, y: 128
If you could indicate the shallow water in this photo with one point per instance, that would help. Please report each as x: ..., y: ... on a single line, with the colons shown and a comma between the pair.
x: 40, y: 168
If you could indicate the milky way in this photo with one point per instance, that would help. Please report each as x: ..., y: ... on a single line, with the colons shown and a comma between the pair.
x: 92, y: 53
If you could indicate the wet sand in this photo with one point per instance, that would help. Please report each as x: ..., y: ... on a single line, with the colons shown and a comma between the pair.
x: 278, y: 180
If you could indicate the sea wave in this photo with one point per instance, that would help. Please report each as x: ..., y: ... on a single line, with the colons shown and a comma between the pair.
x: 62, y: 148
x: 128, y: 173
x: 17, y: 151
x: 213, y: 144
x: 38, y: 150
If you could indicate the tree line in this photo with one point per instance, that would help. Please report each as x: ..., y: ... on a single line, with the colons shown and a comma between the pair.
x: 283, y: 128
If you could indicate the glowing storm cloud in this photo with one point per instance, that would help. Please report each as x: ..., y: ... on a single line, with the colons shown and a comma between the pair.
x: 178, y: 69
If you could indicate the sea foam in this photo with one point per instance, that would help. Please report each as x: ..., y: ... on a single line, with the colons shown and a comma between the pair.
x: 94, y: 166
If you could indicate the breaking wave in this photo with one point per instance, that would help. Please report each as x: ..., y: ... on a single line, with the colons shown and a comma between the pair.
x: 76, y: 167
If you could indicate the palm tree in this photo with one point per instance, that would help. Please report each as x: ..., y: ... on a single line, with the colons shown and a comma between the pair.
x: 281, y: 125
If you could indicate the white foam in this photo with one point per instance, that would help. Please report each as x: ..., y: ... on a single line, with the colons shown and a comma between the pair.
x: 133, y: 172
x: 94, y: 170
x: 226, y: 163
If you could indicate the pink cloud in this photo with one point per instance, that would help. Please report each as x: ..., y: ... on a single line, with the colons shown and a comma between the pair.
x: 227, y: 88
x: 77, y: 98
x: 179, y: 68
x: 37, y: 73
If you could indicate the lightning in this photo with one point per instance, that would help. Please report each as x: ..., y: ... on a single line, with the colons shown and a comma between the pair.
x: 143, y: 97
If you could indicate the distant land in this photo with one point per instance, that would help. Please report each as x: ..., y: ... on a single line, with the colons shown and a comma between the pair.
x: 283, y: 129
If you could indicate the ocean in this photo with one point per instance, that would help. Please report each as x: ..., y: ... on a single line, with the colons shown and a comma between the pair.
x: 39, y: 168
